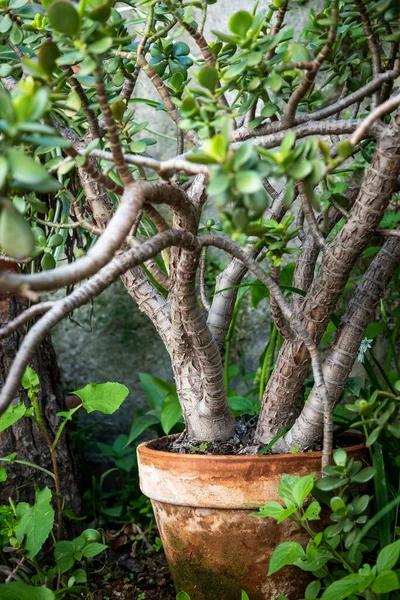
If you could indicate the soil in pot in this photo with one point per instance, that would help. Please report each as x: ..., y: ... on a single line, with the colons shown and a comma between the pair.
x: 213, y: 545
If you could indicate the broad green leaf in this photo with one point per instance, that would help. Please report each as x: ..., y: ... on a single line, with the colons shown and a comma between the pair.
x: 47, y: 55
x: 303, y: 488
x: 343, y: 588
x: 5, y: 70
x: 312, y: 590
x: 386, y: 582
x: 91, y: 535
x: 248, y: 182
x: 328, y: 484
x: 156, y: 390
x: 244, y: 596
x: 3, y: 171
x: 240, y: 23
x: 35, y: 524
x: 219, y: 183
x: 29, y: 173
x: 3, y: 474
x: 337, y: 505
x: 285, y: 487
x: 17, y: 590
x: 208, y: 77
x: 16, y: 237
x: 48, y: 262
x: 312, y: 512
x: 286, y: 553
x: 318, y: 172
x: 139, y: 425
x: 271, y: 509
x: 138, y: 147
x: 13, y: 414
x: 93, y: 549
x: 64, y: 555
x: 300, y: 169
x: 364, y: 475
x: 5, y: 24
x: 288, y: 141
x: 101, y: 46
x: 345, y: 148
x: 182, y: 596
x: 243, y: 154
x: 171, y: 412
x: 80, y: 575
x: 216, y: 148
x: 30, y: 378
x: 105, y: 397
x: 297, y: 53
x: 388, y: 557
x: 64, y: 17
x: 269, y: 109
x: 7, y: 111
x: 340, y: 457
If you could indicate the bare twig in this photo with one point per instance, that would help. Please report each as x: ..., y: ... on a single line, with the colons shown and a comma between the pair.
x: 295, y: 325
x: 372, y: 45
x: 202, y: 284
x: 310, y: 216
x: 92, y: 120
x: 115, y: 142
x: 381, y: 110
x: 304, y: 86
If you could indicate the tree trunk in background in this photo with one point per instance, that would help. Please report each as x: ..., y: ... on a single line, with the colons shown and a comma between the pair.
x: 24, y: 437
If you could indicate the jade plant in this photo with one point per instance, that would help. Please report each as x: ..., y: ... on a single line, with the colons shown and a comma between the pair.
x: 291, y: 140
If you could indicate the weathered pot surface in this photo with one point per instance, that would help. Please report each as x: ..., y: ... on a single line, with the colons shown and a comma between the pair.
x: 213, y: 546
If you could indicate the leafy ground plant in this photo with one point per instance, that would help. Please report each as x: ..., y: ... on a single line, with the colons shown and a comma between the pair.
x: 30, y: 533
x: 356, y: 555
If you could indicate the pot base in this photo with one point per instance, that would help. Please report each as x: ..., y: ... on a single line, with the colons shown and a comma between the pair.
x: 214, y: 554
x: 214, y: 547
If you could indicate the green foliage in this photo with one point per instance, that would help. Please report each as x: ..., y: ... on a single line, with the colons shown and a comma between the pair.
x: 35, y: 523
x: 105, y: 397
x: 342, y: 557
x: 17, y: 590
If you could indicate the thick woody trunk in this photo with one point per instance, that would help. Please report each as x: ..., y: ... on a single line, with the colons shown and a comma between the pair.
x: 196, y: 359
x: 342, y: 355
x: 287, y: 379
x: 24, y: 437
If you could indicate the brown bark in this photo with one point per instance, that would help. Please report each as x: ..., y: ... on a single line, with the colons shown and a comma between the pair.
x: 287, y: 379
x: 342, y: 355
x: 24, y: 437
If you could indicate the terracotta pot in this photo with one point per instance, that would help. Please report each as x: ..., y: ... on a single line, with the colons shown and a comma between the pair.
x: 213, y: 546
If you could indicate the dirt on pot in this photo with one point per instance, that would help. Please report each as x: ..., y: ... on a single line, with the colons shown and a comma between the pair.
x: 241, y: 443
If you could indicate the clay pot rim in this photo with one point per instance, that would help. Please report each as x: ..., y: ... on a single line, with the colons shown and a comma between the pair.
x: 146, y: 451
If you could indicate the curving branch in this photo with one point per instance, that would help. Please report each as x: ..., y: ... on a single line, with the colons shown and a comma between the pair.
x: 343, y: 352
x: 373, y: 46
x: 242, y: 133
x: 376, y: 114
x: 303, y: 130
x: 92, y: 120
x: 24, y: 317
x: 379, y: 183
x: 84, y: 294
x: 115, y: 141
x: 202, y: 285
x: 311, y: 219
x: 299, y: 331
x: 109, y: 242
x: 309, y: 77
